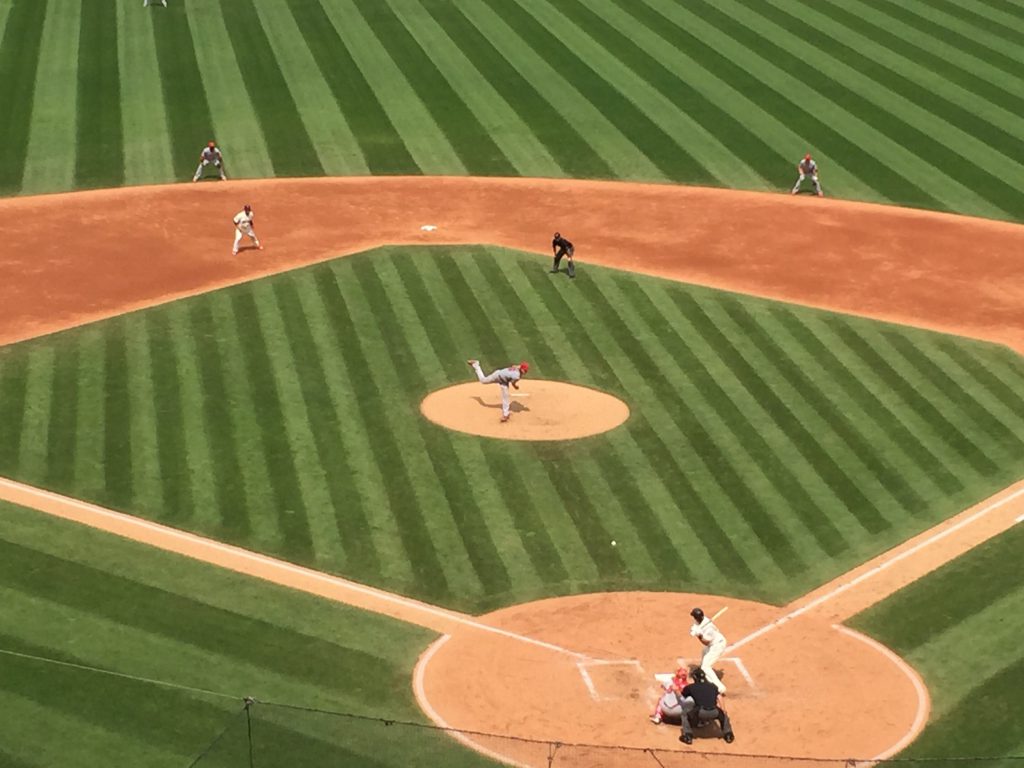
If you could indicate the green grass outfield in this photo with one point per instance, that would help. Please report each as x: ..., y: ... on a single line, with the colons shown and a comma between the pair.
x: 770, y: 447
x: 916, y: 102
x: 960, y: 627
x: 87, y: 598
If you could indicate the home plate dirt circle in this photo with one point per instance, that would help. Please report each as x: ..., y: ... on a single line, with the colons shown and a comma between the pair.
x: 541, y: 410
x: 580, y: 670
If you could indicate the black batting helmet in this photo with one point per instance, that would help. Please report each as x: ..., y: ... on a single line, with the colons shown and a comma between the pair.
x: 697, y: 614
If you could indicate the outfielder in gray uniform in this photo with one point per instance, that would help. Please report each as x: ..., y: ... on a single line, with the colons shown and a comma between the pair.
x: 502, y: 377
x: 210, y: 156
x: 807, y: 167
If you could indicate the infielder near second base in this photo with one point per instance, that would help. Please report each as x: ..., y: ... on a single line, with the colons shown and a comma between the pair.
x: 244, y: 226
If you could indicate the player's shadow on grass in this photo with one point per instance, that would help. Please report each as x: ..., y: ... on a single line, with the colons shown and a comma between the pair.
x: 515, y: 407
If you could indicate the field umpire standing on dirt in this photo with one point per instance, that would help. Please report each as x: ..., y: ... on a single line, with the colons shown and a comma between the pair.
x: 563, y: 247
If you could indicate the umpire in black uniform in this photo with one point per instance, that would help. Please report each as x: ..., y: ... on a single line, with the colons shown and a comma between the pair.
x: 563, y: 247
x: 705, y: 708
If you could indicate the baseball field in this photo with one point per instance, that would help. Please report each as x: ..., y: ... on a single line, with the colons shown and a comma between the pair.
x: 255, y: 510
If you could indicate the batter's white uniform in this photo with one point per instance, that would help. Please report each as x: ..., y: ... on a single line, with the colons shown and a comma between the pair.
x: 807, y: 167
x: 714, y: 646
x: 243, y: 226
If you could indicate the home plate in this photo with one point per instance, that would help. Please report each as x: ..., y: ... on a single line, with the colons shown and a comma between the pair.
x: 428, y: 227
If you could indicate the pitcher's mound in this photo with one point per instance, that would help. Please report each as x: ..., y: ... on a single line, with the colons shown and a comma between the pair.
x: 541, y: 410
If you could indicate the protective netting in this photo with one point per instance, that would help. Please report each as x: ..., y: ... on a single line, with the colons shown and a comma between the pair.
x: 281, y: 736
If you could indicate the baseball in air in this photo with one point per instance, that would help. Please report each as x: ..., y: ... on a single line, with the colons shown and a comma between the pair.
x: 613, y: 543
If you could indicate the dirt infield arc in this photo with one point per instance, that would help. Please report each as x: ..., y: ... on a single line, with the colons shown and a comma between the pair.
x: 124, y: 249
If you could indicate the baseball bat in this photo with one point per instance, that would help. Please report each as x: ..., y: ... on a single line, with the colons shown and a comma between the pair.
x: 713, y: 618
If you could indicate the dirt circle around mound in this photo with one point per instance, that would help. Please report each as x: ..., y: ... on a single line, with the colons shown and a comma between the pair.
x: 541, y: 410
x: 580, y: 670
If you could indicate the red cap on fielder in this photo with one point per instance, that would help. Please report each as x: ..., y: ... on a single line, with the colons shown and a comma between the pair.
x: 211, y: 145
x: 807, y: 156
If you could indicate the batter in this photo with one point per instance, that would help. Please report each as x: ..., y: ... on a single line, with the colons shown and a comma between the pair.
x: 714, y: 645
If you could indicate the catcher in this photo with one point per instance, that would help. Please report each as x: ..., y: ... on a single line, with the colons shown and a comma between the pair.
x: 210, y: 155
x: 673, y: 705
x: 807, y: 167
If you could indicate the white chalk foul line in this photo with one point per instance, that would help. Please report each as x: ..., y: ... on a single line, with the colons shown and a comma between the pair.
x: 210, y: 545
x: 871, y: 573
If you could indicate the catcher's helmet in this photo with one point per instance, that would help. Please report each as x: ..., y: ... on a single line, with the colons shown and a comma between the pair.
x: 697, y: 614
x: 524, y: 367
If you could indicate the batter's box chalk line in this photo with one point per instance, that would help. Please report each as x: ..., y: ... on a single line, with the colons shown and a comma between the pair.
x: 584, y: 665
x: 736, y: 661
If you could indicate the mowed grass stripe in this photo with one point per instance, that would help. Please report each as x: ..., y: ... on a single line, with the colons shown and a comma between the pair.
x: 329, y: 131
x: 34, y: 448
x: 508, y: 130
x: 1002, y: 429
x: 949, y: 440
x: 447, y: 365
x: 381, y: 146
x: 984, y: 20
x: 345, y: 504
x: 291, y: 150
x: 834, y: 429
x: 992, y: 107
x: 286, y: 362
x: 100, y: 155
x: 919, y: 150
x: 951, y: 137
x: 638, y: 126
x: 616, y: 149
x: 643, y: 351
x: 541, y: 123
x: 297, y: 543
x: 229, y: 488
x: 729, y: 150
x: 554, y: 357
x: 170, y: 421
x: 147, y: 488
x: 366, y: 508
x: 416, y: 271
x: 117, y: 453
x: 419, y: 132
x: 462, y: 507
x: 235, y: 124
x: 19, y: 58
x: 879, y: 422
x: 62, y: 426
x: 30, y: 725
x: 88, y: 474
x: 479, y: 154
x: 54, y: 113
x: 187, y: 107
x: 1011, y: 400
x: 145, y: 136
x: 428, y: 575
x: 400, y: 408
x: 13, y: 387
x: 678, y: 480
x: 773, y: 74
x: 650, y: 302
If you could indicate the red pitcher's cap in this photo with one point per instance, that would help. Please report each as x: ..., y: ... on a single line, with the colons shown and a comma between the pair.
x: 524, y: 367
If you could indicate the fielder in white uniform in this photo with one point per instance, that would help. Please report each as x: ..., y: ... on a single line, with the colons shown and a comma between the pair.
x: 210, y: 156
x: 807, y: 167
x: 243, y: 226
x: 714, y: 645
x: 502, y: 377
